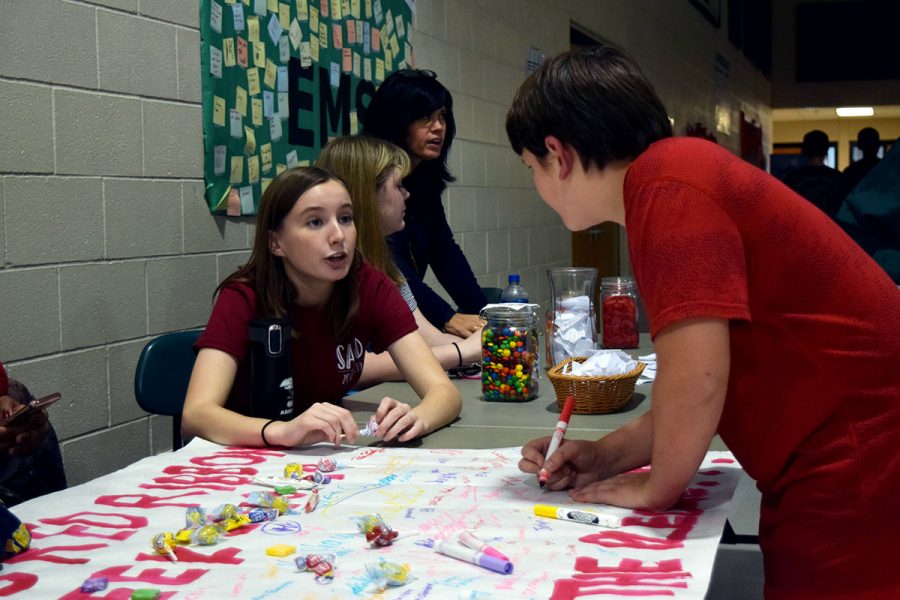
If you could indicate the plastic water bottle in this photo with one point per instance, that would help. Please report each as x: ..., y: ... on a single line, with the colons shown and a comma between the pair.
x: 514, y: 292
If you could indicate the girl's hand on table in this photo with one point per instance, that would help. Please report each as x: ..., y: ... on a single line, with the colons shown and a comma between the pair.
x: 575, y: 464
x: 463, y: 325
x: 626, y: 490
x: 397, y: 420
x: 321, y: 422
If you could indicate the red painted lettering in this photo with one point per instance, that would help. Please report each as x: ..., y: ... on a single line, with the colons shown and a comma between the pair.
x: 44, y: 554
x: 16, y: 582
x: 629, y: 578
x: 132, y: 521
x: 146, y: 501
x: 237, y: 457
x: 223, y: 556
x: 80, y: 531
x: 183, y: 469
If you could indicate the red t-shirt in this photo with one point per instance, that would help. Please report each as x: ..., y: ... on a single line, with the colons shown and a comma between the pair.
x: 812, y: 410
x: 327, y: 367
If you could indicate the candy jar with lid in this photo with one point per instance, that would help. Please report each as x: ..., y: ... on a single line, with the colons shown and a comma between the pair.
x: 618, y: 305
x: 509, y: 349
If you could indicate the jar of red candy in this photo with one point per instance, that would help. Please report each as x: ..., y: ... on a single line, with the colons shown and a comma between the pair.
x: 509, y: 351
x: 618, y: 305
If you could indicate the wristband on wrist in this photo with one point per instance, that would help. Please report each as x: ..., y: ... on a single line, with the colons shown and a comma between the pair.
x: 262, y: 433
x: 459, y: 353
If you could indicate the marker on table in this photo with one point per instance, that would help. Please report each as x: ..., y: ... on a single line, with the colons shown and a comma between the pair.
x: 470, y: 540
x: 579, y: 516
x: 475, y: 557
x: 558, y: 434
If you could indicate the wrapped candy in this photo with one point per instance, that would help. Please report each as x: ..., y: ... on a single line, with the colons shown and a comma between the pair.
x: 326, y: 464
x: 320, y: 564
x: 320, y: 477
x: 313, y: 501
x: 257, y: 515
x: 377, y: 531
x: 386, y: 574
x: 94, y: 584
x: 268, y: 500
x: 195, y: 516
x: 164, y: 543
x: 222, y: 512
x: 235, y: 521
x: 206, y: 535
x: 183, y: 536
x: 293, y: 471
x: 371, y: 427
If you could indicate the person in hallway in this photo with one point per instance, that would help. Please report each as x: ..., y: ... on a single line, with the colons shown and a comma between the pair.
x: 414, y: 110
x: 771, y: 327
x: 816, y: 181
x: 869, y: 143
x: 373, y: 171
x: 31, y: 463
x: 304, y: 266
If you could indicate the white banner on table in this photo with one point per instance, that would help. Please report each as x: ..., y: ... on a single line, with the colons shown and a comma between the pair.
x: 103, y: 529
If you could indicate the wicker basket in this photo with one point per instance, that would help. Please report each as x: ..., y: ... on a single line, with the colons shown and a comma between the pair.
x: 598, y: 394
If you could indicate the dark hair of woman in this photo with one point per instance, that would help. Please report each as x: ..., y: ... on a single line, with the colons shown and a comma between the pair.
x: 405, y: 97
x: 265, y: 272
x: 616, y: 113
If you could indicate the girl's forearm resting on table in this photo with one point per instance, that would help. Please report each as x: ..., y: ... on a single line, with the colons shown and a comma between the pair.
x: 441, y: 401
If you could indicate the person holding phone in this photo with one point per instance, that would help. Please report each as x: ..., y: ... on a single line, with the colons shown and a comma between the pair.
x: 305, y: 267
x: 30, y: 461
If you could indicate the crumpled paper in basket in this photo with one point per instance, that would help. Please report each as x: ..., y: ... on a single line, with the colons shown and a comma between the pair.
x: 603, y: 363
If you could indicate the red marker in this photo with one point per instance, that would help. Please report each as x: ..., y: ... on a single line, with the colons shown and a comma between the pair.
x: 558, y: 436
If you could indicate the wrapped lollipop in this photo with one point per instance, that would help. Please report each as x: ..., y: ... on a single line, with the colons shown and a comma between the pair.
x: 320, y: 564
x: 313, y: 501
x: 194, y: 517
x: 293, y: 471
x: 371, y: 428
x: 321, y: 478
x: 386, y: 574
x: 222, y: 512
x: 327, y: 465
x: 164, y: 543
x: 206, y: 535
x: 377, y: 531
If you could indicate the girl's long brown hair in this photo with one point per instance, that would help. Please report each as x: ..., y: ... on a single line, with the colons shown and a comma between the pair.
x: 264, y: 272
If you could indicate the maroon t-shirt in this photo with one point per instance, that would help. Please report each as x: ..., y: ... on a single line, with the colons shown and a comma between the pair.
x: 4, y: 381
x: 812, y: 410
x: 324, y: 368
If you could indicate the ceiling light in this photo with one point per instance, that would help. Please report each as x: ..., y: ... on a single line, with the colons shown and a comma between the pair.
x: 855, y: 111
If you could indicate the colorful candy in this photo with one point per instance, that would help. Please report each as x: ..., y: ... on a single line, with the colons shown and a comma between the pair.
x: 293, y: 471
x: 207, y: 535
x: 164, y: 544
x: 222, y: 512
x: 280, y: 550
x: 94, y: 584
x: 195, y: 516
x: 371, y: 428
x: 377, y: 531
x: 326, y: 464
x: 313, y: 501
x: 509, y: 360
x: 320, y: 564
x: 387, y: 574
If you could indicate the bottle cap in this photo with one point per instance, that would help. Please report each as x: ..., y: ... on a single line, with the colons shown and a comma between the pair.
x: 514, y: 278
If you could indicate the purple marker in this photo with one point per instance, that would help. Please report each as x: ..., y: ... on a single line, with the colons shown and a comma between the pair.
x: 473, y: 556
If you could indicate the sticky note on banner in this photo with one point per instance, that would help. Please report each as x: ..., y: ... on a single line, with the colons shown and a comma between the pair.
x: 295, y: 34
x: 272, y: 5
x: 253, y: 81
x: 259, y: 54
x: 305, y: 54
x: 351, y: 32
x: 253, y: 169
x: 388, y: 24
x: 314, y: 49
x: 282, y: 79
x: 291, y: 159
x: 271, y: 74
x: 379, y: 69
x: 401, y: 28
x: 242, y: 52
x: 218, y: 111
x: 345, y: 7
x: 237, y: 124
x: 302, y: 10
x: 323, y: 36
x: 240, y: 100
x: 356, y: 64
x: 274, y: 28
x: 264, y: 184
x: 313, y: 20
x: 275, y: 130
x: 215, y: 16
x: 237, y: 17
x: 237, y: 169
x: 284, y: 15
x: 379, y: 16
x: 395, y: 45
x: 346, y: 60
x: 228, y: 51
x: 259, y: 7
x: 368, y: 9
x: 233, y: 208
x: 337, y: 36
x: 247, y: 200
x: 354, y: 9
x: 354, y: 123
x: 215, y: 62
x: 284, y: 49
x: 388, y: 59
x: 337, y: 12
x: 256, y: 112
x: 250, y: 145
x: 253, y: 29
x: 323, y: 8
x: 280, y: 168
x: 376, y: 39
x: 268, y: 104
x: 335, y: 75
x: 265, y: 153
x: 220, y: 153
x: 367, y: 69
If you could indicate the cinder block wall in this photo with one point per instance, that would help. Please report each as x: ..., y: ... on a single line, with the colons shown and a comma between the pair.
x: 106, y: 241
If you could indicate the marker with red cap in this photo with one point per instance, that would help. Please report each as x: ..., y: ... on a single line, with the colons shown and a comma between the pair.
x: 557, y: 438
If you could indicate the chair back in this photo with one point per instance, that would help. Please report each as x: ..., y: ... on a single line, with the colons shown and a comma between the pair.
x: 492, y: 294
x: 162, y: 375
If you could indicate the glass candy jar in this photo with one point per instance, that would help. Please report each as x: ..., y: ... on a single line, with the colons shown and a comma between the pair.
x: 618, y: 306
x: 571, y: 325
x: 509, y: 351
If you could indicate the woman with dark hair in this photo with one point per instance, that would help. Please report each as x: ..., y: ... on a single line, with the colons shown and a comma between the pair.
x: 771, y: 327
x: 304, y: 266
x: 373, y: 170
x: 414, y: 111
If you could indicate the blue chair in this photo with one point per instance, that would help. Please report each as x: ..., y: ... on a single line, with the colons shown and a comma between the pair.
x: 162, y: 376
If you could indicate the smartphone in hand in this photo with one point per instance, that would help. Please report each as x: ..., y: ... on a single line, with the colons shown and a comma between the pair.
x: 24, y: 409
